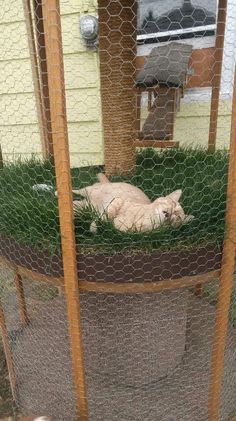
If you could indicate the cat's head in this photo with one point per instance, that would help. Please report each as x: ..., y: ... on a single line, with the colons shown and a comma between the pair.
x: 170, y: 211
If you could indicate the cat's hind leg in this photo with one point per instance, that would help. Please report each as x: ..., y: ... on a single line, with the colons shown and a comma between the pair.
x: 113, y: 207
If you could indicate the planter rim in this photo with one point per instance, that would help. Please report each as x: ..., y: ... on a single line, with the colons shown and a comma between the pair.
x: 119, y: 267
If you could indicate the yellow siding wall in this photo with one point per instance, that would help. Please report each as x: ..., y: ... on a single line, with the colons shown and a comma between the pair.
x: 192, y: 124
x: 19, y: 131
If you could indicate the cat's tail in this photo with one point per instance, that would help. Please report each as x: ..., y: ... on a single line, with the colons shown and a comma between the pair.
x: 85, y: 191
x: 102, y: 178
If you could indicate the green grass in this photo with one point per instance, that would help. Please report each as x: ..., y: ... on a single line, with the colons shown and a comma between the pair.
x: 32, y: 217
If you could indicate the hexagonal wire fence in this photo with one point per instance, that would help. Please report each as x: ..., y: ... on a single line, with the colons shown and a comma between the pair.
x: 117, y: 217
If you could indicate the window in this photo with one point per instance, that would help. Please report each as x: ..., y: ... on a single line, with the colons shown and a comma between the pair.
x: 165, y: 20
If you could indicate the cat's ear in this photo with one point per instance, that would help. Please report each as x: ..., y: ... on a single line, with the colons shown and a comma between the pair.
x: 175, y: 195
x: 102, y: 178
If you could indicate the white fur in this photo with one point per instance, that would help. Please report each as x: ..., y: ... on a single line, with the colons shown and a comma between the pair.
x: 129, y: 207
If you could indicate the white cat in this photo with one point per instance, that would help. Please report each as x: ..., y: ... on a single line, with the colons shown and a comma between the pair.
x: 129, y: 207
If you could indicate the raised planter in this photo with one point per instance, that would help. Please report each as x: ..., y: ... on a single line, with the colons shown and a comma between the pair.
x: 118, y: 267
x: 129, y: 339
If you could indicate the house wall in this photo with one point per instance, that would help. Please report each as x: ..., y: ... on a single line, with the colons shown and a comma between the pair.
x: 19, y: 130
x: 192, y: 124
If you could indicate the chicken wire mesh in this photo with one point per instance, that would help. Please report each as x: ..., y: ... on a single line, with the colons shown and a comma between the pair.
x: 110, y: 305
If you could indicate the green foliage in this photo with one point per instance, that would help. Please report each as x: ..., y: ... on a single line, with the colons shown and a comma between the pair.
x: 202, y: 177
x: 32, y: 217
x: 27, y: 215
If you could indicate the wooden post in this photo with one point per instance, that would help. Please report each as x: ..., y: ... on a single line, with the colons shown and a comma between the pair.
x: 8, y: 355
x: 199, y: 290
x: 117, y: 53
x: 174, y: 112
x: 149, y: 100
x: 217, y: 69
x: 36, y: 75
x: 138, y: 110
x: 21, y: 299
x: 54, y: 55
x: 1, y: 159
x: 42, y: 65
x: 226, y: 278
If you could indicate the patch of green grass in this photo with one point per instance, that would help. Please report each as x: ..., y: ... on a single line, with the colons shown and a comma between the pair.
x: 32, y: 217
x: 27, y: 215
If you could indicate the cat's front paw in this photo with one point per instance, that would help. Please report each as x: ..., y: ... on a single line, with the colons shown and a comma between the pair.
x: 188, y: 219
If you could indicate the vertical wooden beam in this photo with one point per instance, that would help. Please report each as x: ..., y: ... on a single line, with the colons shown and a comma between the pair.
x: 226, y: 278
x: 138, y: 110
x: 1, y: 159
x: 199, y: 290
x: 21, y: 299
x: 217, y: 70
x: 117, y: 53
x: 35, y: 74
x: 42, y: 65
x: 149, y: 100
x: 54, y: 55
x: 174, y: 112
x: 8, y: 355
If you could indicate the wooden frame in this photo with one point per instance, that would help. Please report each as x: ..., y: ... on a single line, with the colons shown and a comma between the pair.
x: 1, y: 159
x: 43, y: 74
x: 138, y: 108
x: 217, y: 70
x: 8, y: 355
x: 36, y: 42
x: 147, y: 287
x: 118, y: 287
x: 35, y: 73
x: 226, y: 278
x: 21, y: 299
x: 54, y: 54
